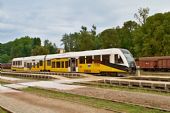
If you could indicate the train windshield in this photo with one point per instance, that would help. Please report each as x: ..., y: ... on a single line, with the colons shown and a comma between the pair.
x: 128, y: 55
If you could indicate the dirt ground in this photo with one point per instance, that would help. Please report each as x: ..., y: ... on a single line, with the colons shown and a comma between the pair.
x: 153, y: 100
x: 21, y: 102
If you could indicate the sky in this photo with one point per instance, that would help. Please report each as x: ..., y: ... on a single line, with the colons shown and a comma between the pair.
x: 51, y: 19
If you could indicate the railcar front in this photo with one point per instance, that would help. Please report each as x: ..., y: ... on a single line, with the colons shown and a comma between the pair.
x: 130, y: 61
x: 17, y: 64
x: 32, y: 63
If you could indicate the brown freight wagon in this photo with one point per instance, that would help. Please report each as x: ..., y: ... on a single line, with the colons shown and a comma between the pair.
x: 5, y: 65
x: 161, y: 63
x: 147, y: 63
x: 164, y: 63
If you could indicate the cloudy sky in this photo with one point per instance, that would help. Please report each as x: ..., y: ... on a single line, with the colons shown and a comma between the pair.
x: 50, y: 19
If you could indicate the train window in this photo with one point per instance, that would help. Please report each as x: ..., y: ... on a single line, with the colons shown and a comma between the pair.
x: 25, y: 64
x: 41, y: 63
x: 82, y: 60
x: 106, y: 59
x: 118, y: 59
x: 88, y: 59
x: 48, y: 62
x: 97, y: 59
x: 20, y: 62
x: 66, y: 64
x: 37, y: 65
x: 58, y: 64
x: 13, y: 63
x: 34, y: 65
x: 30, y: 65
x: 53, y: 64
x: 62, y: 64
x: 76, y: 62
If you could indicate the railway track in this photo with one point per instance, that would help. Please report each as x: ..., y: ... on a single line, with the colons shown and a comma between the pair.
x: 44, y: 75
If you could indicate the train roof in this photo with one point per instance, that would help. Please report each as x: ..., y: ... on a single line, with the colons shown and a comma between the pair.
x: 84, y: 53
x: 72, y: 54
x: 39, y: 57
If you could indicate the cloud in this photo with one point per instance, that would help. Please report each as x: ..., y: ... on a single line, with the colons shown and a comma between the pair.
x: 51, y: 19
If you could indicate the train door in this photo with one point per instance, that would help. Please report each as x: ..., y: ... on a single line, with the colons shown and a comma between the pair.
x: 25, y: 66
x: 73, y: 65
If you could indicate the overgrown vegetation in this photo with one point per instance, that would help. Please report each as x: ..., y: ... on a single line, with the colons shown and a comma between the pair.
x: 99, y: 103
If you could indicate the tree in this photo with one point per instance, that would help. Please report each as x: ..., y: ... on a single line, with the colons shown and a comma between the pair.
x: 87, y: 38
x: 126, y: 35
x: 20, y: 47
x: 130, y: 25
x: 4, y: 58
x: 1, y: 50
x: 109, y: 38
x: 142, y: 15
x: 153, y: 37
x: 79, y: 41
x: 119, y: 37
x: 39, y: 50
x: 36, y: 42
x: 51, y: 47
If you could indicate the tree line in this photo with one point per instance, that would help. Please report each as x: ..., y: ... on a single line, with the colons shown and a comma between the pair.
x: 25, y: 46
x: 148, y: 36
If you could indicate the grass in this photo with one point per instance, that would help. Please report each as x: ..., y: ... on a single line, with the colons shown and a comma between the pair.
x: 3, y: 111
x: 4, y: 81
x: 123, y: 88
x: 150, y: 73
x: 95, y: 102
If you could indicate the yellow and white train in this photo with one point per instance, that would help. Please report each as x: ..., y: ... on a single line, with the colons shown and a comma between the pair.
x: 114, y: 60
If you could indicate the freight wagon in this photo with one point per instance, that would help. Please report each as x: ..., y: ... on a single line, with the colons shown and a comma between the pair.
x: 161, y: 63
x: 5, y: 65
